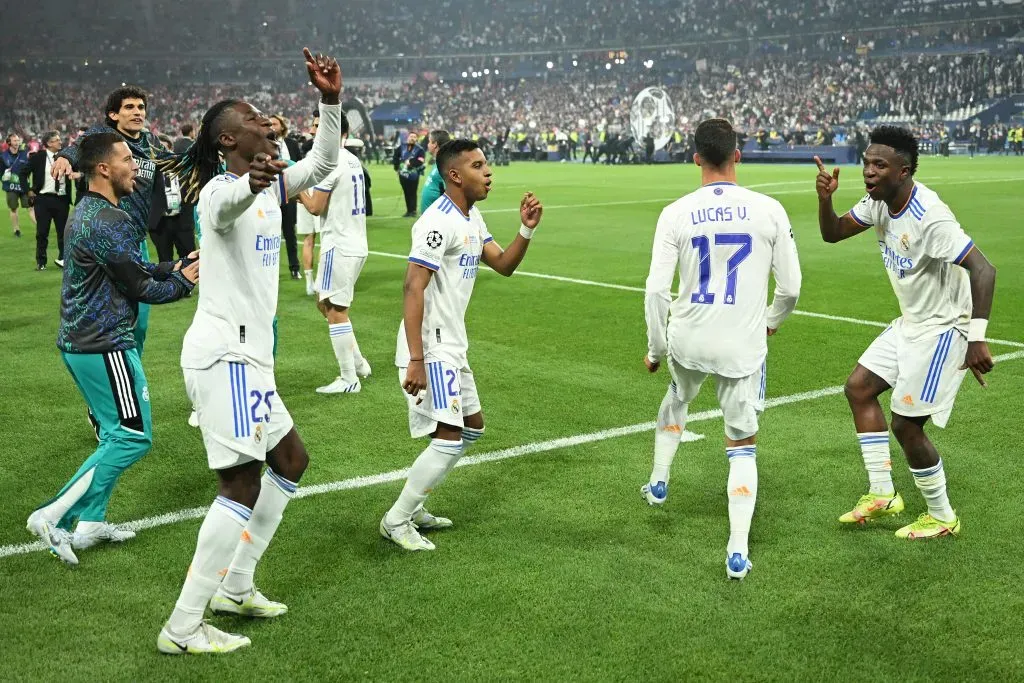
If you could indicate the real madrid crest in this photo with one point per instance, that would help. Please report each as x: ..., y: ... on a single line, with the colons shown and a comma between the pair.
x: 258, y: 434
x: 905, y: 242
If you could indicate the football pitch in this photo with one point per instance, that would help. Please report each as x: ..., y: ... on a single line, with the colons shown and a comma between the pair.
x: 556, y: 568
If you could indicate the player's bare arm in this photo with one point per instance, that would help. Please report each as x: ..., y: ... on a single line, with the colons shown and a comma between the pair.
x: 314, y: 201
x: 833, y: 228
x: 983, y: 286
x: 505, y: 261
x: 416, y: 280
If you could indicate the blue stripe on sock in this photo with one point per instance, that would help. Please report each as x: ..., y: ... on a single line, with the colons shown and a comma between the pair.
x: 282, y: 483
x: 236, y: 508
x: 928, y: 472
x: 741, y: 452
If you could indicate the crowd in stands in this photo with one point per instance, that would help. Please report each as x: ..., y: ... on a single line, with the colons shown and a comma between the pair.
x: 368, y: 28
x: 769, y: 93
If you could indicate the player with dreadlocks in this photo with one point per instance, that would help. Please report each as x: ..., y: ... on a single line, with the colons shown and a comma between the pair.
x: 227, y: 355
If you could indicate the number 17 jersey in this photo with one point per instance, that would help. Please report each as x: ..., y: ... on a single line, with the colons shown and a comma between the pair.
x: 725, y: 241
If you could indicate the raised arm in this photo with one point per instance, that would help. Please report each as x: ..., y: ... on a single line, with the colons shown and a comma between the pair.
x: 657, y: 291
x: 325, y: 75
x: 834, y: 228
x: 505, y: 261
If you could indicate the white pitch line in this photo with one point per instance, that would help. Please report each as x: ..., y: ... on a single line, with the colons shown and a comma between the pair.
x: 504, y: 454
x: 631, y: 288
x: 629, y: 202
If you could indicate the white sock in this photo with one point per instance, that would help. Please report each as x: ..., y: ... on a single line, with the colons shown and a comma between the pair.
x: 357, y: 355
x: 59, y: 507
x: 931, y: 483
x: 309, y: 276
x: 742, y: 490
x: 275, y: 493
x: 471, y: 436
x: 668, y: 431
x: 343, y: 340
x: 874, y: 448
x: 427, y: 472
x: 218, y: 538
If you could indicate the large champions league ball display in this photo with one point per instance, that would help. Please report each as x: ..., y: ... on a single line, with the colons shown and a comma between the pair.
x: 652, y: 112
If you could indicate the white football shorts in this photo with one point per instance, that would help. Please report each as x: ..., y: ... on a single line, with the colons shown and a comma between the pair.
x: 241, y: 415
x: 305, y: 222
x: 924, y: 373
x: 336, y: 277
x: 450, y: 395
x: 741, y: 399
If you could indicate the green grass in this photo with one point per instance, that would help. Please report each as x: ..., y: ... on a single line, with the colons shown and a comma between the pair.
x: 556, y: 569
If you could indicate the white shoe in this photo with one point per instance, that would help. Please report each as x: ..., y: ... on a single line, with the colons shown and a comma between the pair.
x: 340, y: 386
x: 426, y: 521
x: 254, y: 604
x: 193, y: 419
x: 405, y: 536
x: 737, y: 566
x: 104, y: 533
x: 205, y: 639
x: 57, y: 540
x: 363, y: 368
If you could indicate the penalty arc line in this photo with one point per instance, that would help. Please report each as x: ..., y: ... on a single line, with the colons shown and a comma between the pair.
x: 631, y: 288
x: 492, y: 456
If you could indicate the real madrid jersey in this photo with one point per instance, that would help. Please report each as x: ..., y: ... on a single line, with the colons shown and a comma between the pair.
x: 343, y: 224
x: 449, y: 243
x: 922, y: 246
x: 240, y: 257
x: 724, y: 241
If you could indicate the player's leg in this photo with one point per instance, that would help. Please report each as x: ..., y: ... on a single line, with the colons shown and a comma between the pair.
x: 929, y: 381
x: 287, y: 460
x: 60, y: 222
x: 472, y: 431
x: 131, y: 440
x: 876, y: 372
x: 739, y: 400
x: 337, y: 279
x: 669, y: 427
x: 232, y: 403
x: 308, y: 246
x: 437, y: 414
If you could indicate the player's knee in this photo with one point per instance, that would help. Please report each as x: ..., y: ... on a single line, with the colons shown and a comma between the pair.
x: 136, y: 443
x: 740, y: 432
x: 907, y: 431
x: 856, y: 389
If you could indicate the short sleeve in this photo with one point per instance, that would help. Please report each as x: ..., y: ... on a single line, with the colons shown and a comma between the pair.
x: 944, y: 239
x: 863, y: 212
x: 430, y: 241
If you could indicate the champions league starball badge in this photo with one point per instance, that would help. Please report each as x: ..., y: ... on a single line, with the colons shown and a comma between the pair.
x: 652, y: 112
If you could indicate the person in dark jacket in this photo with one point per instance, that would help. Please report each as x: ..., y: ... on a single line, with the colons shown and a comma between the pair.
x: 408, y: 162
x: 105, y: 279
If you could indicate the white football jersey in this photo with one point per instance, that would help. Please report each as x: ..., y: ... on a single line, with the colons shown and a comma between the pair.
x: 343, y: 224
x: 724, y: 240
x: 449, y: 243
x: 922, y: 247
x: 240, y: 257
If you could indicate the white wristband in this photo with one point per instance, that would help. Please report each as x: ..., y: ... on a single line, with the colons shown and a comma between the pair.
x: 526, y: 232
x: 976, y: 330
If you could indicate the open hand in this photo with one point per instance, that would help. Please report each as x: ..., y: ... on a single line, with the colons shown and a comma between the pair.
x: 61, y: 168
x: 530, y: 210
x: 324, y: 74
x: 827, y: 183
